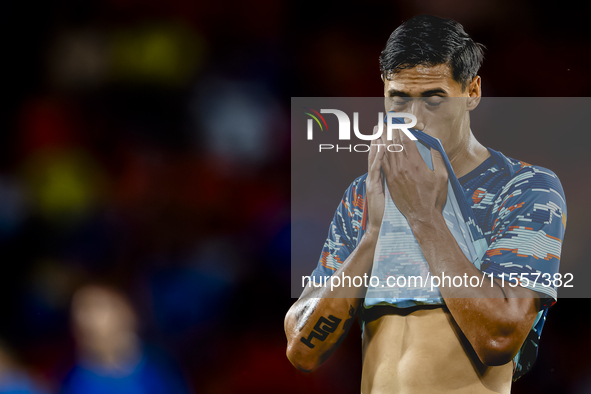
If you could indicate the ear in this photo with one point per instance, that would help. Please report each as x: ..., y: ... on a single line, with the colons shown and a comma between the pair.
x: 474, y: 93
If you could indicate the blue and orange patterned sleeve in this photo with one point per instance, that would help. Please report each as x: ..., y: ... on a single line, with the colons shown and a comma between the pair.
x: 529, y: 221
x: 344, y: 231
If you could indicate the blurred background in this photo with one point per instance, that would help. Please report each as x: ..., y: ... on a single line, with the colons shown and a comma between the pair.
x: 144, y: 183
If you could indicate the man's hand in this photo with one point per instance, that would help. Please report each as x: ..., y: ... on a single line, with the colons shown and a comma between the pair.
x: 417, y: 191
x: 374, y: 184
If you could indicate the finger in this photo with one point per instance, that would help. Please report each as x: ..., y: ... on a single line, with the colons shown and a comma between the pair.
x: 385, y: 163
x: 410, y: 147
x: 385, y: 142
x: 372, y: 151
x: 376, y: 164
x: 401, y: 141
x: 398, y: 158
x: 383, y: 138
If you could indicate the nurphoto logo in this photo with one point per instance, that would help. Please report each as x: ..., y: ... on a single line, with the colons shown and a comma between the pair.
x: 345, y: 129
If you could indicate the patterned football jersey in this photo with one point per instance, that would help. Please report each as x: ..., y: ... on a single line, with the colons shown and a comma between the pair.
x: 521, y: 211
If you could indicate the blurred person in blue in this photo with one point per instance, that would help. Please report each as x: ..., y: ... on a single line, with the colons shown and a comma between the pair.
x: 14, y: 379
x: 111, y: 358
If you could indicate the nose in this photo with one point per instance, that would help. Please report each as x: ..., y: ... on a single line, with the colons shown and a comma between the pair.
x: 416, y: 110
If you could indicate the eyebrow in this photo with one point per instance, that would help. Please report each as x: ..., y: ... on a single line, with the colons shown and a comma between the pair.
x: 426, y: 93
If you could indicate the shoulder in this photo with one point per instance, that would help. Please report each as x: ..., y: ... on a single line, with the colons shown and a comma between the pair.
x: 352, y: 207
x: 531, y: 180
x: 531, y: 196
x: 358, y: 184
x: 355, y: 193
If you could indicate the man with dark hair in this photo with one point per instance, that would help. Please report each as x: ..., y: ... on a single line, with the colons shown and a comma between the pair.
x: 431, y: 41
x: 471, y: 340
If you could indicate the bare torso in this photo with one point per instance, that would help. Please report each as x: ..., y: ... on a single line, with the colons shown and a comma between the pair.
x: 422, y: 350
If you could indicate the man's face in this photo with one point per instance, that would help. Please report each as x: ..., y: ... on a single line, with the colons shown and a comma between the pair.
x: 437, y: 100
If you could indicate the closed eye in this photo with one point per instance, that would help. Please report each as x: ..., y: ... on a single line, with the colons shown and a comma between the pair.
x: 433, y: 101
x: 398, y: 100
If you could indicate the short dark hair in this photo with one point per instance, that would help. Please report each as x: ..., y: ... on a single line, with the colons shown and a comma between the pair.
x: 430, y: 41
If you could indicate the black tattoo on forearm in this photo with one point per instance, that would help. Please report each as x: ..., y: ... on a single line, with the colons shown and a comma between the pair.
x: 321, y: 330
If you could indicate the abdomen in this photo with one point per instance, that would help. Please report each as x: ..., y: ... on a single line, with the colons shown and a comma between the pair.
x: 423, y: 350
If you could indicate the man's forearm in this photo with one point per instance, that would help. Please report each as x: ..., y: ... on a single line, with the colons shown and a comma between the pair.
x: 443, y: 254
x: 493, y: 318
x: 320, y: 319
